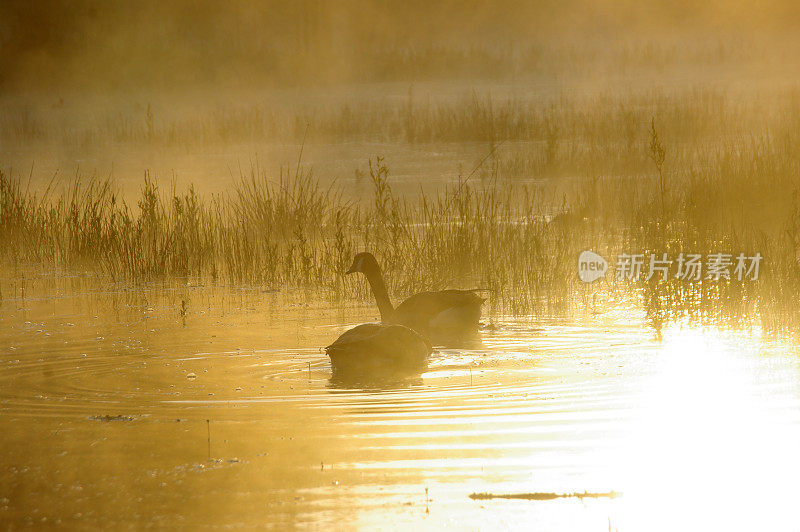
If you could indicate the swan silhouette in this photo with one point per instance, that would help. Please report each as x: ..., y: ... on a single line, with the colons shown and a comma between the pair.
x: 436, y: 315
x: 375, y: 347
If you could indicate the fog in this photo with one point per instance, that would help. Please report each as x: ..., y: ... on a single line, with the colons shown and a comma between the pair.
x: 187, y: 193
x: 197, y: 90
x: 120, y: 46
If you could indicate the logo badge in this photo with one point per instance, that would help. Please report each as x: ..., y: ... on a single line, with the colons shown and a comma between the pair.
x: 591, y: 266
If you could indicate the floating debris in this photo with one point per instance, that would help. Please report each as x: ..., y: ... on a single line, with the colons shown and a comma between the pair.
x: 107, y: 418
x: 545, y: 496
x: 191, y: 375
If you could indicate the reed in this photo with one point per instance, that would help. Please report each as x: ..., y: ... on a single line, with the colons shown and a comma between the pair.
x: 518, y: 241
x: 568, y: 132
x: 644, y: 171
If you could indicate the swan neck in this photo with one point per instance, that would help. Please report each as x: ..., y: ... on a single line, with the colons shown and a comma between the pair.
x: 379, y: 291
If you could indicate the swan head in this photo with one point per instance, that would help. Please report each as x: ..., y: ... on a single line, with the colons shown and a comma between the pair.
x: 362, y: 262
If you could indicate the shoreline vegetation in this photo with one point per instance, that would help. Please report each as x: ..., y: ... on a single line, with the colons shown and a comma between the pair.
x: 512, y: 239
x: 651, y: 164
x: 568, y: 130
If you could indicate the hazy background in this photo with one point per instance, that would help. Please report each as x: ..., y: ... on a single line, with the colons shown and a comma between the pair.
x: 197, y: 90
x: 115, y: 45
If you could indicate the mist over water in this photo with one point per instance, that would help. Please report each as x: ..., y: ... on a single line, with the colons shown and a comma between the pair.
x: 194, y: 91
x: 183, y: 186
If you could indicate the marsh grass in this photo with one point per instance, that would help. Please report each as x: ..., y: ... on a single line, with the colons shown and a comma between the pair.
x: 570, y: 131
x: 693, y: 171
x: 514, y: 240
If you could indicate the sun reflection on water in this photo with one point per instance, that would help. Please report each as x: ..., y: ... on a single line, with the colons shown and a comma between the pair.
x: 698, y: 431
x: 709, y: 449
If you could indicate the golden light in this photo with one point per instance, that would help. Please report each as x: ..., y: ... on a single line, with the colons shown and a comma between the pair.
x: 712, y: 448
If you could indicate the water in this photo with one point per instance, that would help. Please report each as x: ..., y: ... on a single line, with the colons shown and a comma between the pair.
x: 188, y: 405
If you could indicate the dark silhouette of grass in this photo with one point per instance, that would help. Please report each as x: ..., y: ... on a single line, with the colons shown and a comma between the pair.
x: 481, y: 232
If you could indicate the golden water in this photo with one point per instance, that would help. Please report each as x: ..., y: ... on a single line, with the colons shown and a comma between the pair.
x: 104, y: 426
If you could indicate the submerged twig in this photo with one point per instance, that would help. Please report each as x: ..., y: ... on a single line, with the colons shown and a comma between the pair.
x: 545, y: 496
x: 208, y: 428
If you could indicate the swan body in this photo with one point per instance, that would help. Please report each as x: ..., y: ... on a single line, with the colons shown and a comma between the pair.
x: 439, y: 311
x: 373, y: 347
x: 446, y: 313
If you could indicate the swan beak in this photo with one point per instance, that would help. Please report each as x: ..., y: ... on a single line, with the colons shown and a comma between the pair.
x: 356, y: 266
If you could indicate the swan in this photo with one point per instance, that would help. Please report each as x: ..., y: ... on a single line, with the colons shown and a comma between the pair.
x: 375, y: 347
x: 443, y: 314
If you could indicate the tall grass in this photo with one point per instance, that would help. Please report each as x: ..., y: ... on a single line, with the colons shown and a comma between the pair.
x: 569, y: 129
x: 517, y: 241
